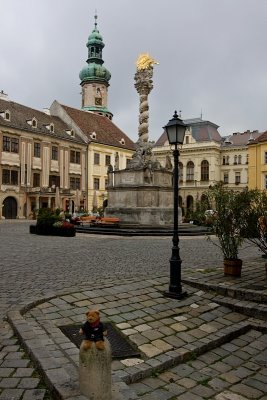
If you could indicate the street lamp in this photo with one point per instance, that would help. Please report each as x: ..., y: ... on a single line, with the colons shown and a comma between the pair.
x: 175, y: 129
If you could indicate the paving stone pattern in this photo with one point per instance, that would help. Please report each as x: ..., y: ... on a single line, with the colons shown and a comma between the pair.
x: 48, y: 282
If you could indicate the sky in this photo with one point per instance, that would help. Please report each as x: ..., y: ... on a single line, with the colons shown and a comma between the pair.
x: 212, y: 57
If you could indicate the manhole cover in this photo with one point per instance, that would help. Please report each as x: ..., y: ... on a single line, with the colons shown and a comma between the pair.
x: 120, y: 347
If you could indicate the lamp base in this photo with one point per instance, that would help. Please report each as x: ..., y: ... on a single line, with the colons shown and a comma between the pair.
x: 174, y: 295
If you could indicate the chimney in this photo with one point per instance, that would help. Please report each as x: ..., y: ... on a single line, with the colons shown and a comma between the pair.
x: 46, y: 111
x: 3, y: 95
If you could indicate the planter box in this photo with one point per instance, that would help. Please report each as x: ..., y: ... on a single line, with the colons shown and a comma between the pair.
x: 49, y: 230
x: 233, y: 267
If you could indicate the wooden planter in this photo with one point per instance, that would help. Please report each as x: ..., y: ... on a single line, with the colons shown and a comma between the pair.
x: 233, y: 267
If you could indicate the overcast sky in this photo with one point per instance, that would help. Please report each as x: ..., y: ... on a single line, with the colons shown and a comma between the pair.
x: 212, y: 57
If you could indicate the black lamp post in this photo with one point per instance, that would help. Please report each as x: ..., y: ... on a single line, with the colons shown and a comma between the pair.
x: 175, y: 131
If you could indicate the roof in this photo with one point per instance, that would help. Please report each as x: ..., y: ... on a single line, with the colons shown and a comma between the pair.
x: 20, y: 114
x: 262, y: 137
x: 243, y: 138
x: 106, y: 132
x: 201, y: 131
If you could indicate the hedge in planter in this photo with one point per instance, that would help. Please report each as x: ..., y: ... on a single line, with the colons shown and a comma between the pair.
x: 51, y: 223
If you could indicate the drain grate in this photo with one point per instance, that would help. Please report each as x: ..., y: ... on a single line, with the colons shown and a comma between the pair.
x: 120, y: 347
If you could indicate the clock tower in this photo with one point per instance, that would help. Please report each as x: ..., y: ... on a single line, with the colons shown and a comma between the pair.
x: 95, y: 77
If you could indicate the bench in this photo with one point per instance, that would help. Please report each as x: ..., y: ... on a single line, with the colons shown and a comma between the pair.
x: 108, y: 220
x: 88, y: 219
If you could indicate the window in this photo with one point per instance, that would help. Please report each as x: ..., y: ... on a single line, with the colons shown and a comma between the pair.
x: 54, y: 180
x: 227, y: 160
x: 128, y: 160
x: 225, y: 178
x: 106, y: 183
x: 108, y: 160
x: 96, y: 158
x: 10, y: 144
x: 96, y: 183
x: 265, y: 157
x: 204, y: 170
x: 37, y: 149
x: 187, y: 140
x: 190, y: 171
x: 75, y: 182
x: 237, y: 178
x: 54, y: 153
x: 180, y: 171
x: 34, y: 123
x: 247, y: 159
x: 10, y: 177
x: 223, y: 160
x: 239, y: 159
x: 235, y: 160
x: 265, y: 181
x: 75, y: 157
x: 36, y: 180
x: 7, y: 116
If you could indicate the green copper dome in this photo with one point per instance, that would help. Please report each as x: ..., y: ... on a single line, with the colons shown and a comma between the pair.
x: 95, y: 38
x: 93, y: 71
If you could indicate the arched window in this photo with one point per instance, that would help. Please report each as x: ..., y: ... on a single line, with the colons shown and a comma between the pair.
x: 190, y: 171
x: 180, y: 171
x: 189, y: 202
x: 204, y: 170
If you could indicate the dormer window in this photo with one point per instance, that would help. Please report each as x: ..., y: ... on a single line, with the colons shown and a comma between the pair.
x: 122, y: 141
x: 93, y: 135
x: 5, y: 115
x: 50, y: 127
x: 32, y: 122
x: 70, y: 132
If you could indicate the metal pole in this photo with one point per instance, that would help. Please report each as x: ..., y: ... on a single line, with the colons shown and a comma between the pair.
x: 175, y: 288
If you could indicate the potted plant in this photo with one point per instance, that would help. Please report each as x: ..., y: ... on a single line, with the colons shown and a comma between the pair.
x: 228, y: 224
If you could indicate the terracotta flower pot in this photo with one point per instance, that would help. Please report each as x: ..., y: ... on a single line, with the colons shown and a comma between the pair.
x: 233, y: 267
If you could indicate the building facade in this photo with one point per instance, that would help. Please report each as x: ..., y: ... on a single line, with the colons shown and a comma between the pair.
x: 42, y: 162
x: 257, y: 153
x: 206, y: 159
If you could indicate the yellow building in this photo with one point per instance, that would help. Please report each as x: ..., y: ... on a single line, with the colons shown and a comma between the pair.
x: 257, y: 153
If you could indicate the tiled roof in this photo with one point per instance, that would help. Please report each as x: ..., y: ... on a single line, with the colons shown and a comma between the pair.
x: 242, y: 138
x: 201, y: 131
x: 106, y: 132
x: 262, y: 137
x: 19, y: 115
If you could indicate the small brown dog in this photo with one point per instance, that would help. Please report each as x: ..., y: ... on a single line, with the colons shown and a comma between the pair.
x: 93, y: 330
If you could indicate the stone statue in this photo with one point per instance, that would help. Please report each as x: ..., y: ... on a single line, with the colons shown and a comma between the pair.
x: 168, y: 164
x: 117, y: 161
x: 144, y: 85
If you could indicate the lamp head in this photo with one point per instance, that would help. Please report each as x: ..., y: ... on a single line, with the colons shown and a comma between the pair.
x: 175, y: 130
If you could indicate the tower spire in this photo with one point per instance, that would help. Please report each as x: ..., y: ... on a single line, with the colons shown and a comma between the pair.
x: 94, y: 76
x: 95, y: 19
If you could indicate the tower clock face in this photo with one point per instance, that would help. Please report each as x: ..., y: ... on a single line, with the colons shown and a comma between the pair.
x: 98, y: 101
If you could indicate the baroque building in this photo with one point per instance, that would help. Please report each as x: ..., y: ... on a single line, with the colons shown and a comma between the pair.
x: 206, y: 158
x: 42, y: 162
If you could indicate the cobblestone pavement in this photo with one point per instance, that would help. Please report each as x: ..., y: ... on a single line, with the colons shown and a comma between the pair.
x: 63, y: 269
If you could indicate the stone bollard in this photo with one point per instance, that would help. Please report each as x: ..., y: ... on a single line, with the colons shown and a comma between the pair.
x: 95, y: 372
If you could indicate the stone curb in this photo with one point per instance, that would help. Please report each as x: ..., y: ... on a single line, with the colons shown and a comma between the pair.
x: 63, y: 386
